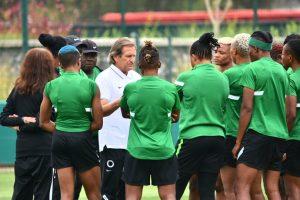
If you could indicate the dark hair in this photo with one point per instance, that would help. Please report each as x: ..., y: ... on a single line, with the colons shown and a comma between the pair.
x: 204, y: 46
x: 294, y: 48
x: 149, y: 56
x: 292, y: 36
x: 264, y: 36
x: 53, y: 43
x: 36, y: 70
x: 68, y: 59
x: 276, y: 50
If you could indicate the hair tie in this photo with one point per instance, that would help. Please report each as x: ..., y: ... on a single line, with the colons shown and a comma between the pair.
x: 147, y: 58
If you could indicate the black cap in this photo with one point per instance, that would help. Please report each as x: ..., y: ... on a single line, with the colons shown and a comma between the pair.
x: 88, y: 46
x: 73, y: 40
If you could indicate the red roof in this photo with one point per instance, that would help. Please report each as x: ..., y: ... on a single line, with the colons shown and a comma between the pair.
x: 200, y: 16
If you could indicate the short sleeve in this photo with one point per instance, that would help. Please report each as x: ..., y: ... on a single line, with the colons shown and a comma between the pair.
x: 104, y: 86
x: 179, y: 83
x: 177, y: 101
x: 47, y: 89
x: 248, y: 79
x: 94, y: 88
x: 123, y: 103
x: 292, y: 88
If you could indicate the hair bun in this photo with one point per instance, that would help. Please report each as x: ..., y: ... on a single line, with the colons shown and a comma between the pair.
x: 148, y: 43
x: 46, y: 39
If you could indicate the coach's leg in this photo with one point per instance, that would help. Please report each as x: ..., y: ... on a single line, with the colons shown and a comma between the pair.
x: 245, y: 177
x: 167, y: 192
x: 91, y: 182
x: 271, y: 180
x: 42, y: 178
x: 66, y: 178
x: 23, y: 186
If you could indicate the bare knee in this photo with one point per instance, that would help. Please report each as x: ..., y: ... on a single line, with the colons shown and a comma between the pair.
x: 167, y: 196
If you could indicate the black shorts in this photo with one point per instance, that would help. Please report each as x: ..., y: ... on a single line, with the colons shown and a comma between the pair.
x: 292, y: 163
x: 229, y: 160
x: 137, y: 172
x: 73, y: 150
x: 200, y: 154
x: 261, y: 152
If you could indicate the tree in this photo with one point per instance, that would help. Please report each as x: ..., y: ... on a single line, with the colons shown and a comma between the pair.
x: 216, y: 15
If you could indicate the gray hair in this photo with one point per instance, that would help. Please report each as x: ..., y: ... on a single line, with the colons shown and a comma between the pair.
x: 116, y: 48
x: 241, y: 44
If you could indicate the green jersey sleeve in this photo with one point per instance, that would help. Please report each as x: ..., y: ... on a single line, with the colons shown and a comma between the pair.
x: 248, y: 79
x: 179, y: 85
x: 292, y: 88
x: 47, y: 89
x: 123, y: 103
x: 177, y: 101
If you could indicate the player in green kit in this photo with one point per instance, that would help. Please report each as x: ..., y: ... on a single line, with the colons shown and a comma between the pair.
x: 240, y: 55
x: 262, y: 125
x: 291, y: 58
x: 152, y: 104
x: 76, y: 100
x: 203, y: 92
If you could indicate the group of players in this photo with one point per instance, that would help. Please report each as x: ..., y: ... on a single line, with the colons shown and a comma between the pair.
x: 238, y: 121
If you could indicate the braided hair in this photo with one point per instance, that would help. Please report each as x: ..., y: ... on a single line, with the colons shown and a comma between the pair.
x: 149, y: 56
x: 204, y: 46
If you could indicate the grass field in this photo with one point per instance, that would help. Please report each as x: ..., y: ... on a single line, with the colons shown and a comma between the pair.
x: 7, y: 181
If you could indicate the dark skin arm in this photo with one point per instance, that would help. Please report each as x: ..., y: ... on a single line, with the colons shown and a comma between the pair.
x: 245, y: 117
x: 125, y: 113
x: 97, y: 113
x: 175, y: 116
x: 291, y: 111
x: 45, y: 115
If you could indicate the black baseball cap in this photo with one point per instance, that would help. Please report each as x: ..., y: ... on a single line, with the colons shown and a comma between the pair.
x: 73, y: 40
x: 88, y: 46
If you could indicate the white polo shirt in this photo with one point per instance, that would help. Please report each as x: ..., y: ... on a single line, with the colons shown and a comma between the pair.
x: 111, y: 82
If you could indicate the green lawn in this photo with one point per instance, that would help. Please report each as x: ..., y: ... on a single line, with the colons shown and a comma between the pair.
x: 7, y: 181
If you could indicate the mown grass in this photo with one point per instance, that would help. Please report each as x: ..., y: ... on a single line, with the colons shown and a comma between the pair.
x: 7, y: 181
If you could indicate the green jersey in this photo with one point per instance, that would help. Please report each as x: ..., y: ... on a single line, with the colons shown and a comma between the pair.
x: 295, y: 91
x: 234, y: 101
x: 71, y: 95
x: 96, y: 71
x: 204, y: 91
x: 289, y: 71
x: 150, y: 102
x: 61, y: 72
x: 269, y: 81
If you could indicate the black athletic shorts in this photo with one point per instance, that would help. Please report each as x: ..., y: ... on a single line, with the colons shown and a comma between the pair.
x: 261, y: 152
x: 73, y: 150
x: 229, y: 159
x: 200, y: 154
x: 137, y: 172
x: 292, y: 163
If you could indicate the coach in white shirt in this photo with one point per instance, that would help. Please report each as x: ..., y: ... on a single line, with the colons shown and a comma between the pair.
x: 114, y: 134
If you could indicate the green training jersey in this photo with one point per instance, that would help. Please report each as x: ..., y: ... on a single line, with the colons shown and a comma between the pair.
x: 295, y: 91
x: 71, y: 95
x: 204, y: 91
x: 234, y: 101
x: 269, y: 81
x: 150, y: 102
x: 96, y: 71
x: 61, y: 72
x: 289, y: 71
